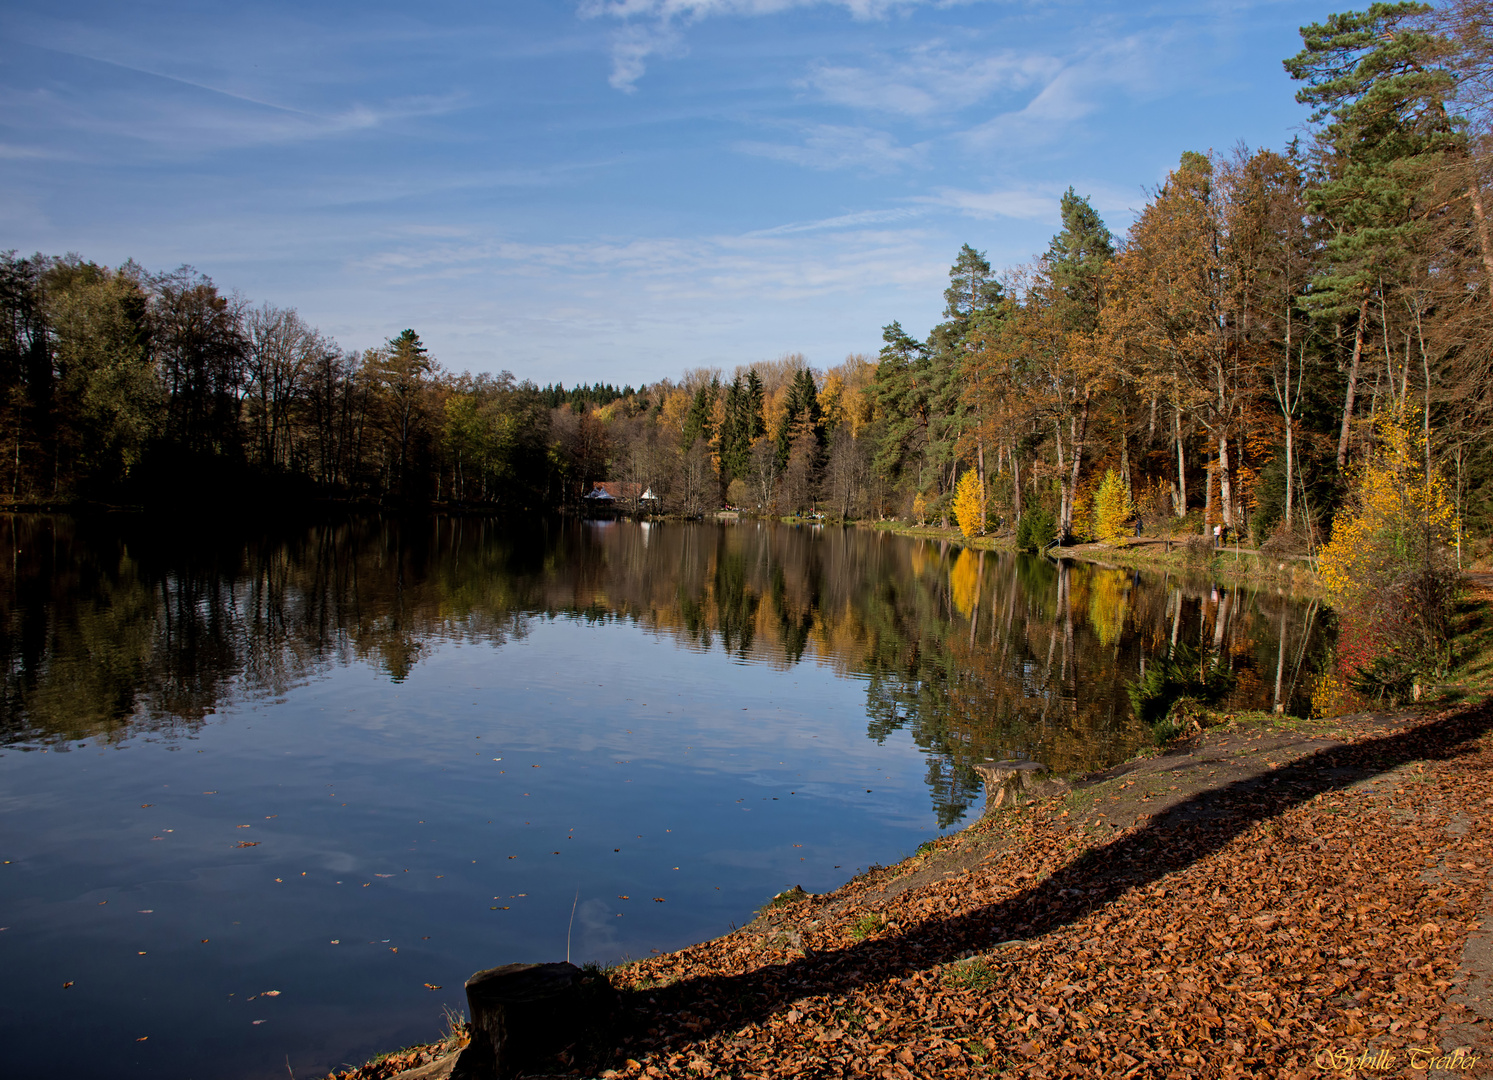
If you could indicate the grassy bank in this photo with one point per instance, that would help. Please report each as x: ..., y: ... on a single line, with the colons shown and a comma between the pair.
x: 1239, y: 564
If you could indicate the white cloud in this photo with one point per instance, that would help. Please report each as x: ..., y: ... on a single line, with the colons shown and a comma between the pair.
x: 1038, y: 203
x: 841, y: 221
x: 1135, y: 66
x: 650, y: 27
x: 771, y: 265
x: 1028, y: 205
x: 833, y: 146
x: 931, y: 79
x: 175, y: 113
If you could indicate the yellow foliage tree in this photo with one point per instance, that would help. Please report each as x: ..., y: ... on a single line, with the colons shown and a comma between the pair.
x: 1390, y: 566
x: 920, y: 508
x: 1113, y: 508
x: 969, y: 505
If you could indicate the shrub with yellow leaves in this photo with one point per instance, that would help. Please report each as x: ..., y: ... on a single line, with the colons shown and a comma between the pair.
x: 969, y: 504
x: 1390, y: 567
x: 1113, y: 508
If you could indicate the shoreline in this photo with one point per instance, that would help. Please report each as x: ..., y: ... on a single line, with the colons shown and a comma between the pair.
x: 1059, y: 934
x: 947, y: 962
x: 1293, y: 572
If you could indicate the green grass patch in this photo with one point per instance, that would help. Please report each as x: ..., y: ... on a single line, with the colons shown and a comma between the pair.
x: 865, y: 926
x: 973, y: 973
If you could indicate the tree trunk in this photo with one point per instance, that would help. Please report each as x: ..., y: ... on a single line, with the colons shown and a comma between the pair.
x: 1207, y: 500
x: 980, y: 462
x: 1342, y: 442
x: 1181, y: 466
x: 1484, y: 240
x: 1016, y: 483
x: 1290, y: 454
x: 1225, y: 483
x: 1078, y: 427
x: 1062, y: 486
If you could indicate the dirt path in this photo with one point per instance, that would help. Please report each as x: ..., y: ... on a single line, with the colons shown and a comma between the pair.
x: 1254, y: 904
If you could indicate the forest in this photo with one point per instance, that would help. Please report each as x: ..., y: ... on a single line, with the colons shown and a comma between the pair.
x: 1225, y: 361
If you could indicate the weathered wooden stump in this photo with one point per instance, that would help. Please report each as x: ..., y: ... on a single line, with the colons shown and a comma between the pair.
x: 1011, y: 783
x: 522, y: 1014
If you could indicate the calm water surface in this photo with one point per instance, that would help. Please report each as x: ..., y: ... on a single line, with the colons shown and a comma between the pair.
x: 354, y: 762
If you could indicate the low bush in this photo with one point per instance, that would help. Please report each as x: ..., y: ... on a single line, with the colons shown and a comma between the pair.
x: 1186, y: 674
x: 1037, y: 528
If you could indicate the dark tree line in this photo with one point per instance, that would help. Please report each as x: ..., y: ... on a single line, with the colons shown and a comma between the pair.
x: 121, y: 385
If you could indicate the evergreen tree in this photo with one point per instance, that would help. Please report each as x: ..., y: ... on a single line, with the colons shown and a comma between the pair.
x: 901, y: 387
x: 1381, y: 83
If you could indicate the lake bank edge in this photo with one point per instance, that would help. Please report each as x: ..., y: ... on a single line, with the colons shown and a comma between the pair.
x: 875, y: 903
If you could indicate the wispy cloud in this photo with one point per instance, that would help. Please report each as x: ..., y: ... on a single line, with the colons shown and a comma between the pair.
x: 1022, y: 203
x: 771, y: 264
x: 842, y: 221
x: 834, y: 146
x: 1031, y: 202
x: 9, y: 152
x: 932, y: 78
x: 1136, y: 66
x: 652, y: 27
x: 172, y: 112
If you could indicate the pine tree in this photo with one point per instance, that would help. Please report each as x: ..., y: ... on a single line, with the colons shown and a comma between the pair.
x: 1382, y: 82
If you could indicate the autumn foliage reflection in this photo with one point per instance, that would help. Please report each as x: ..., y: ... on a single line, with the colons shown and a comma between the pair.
x: 115, y: 627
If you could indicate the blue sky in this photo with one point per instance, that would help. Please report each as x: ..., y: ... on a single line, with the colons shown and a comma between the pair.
x: 611, y: 189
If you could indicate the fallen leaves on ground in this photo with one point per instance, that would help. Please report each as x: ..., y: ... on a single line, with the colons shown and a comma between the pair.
x: 1322, y: 906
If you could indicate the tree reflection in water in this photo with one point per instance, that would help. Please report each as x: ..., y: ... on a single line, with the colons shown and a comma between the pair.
x: 117, y: 625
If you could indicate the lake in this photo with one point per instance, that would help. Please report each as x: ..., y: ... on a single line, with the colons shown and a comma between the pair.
x: 270, y: 792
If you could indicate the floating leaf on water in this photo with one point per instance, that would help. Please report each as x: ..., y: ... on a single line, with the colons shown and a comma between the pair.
x: 431, y: 986
x: 66, y: 985
x: 269, y: 993
x: 247, y: 843
x: 142, y: 1038
x: 658, y: 899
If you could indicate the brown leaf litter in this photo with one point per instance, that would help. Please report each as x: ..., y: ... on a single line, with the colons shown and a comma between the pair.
x: 1259, y: 903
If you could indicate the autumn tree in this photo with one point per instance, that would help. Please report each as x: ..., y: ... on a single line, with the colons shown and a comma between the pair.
x: 1391, y: 565
x: 969, y: 504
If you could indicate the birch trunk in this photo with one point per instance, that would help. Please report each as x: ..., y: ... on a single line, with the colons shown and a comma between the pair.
x: 1342, y: 442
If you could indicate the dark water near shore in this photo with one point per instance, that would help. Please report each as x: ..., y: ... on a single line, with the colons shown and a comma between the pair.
x: 363, y: 759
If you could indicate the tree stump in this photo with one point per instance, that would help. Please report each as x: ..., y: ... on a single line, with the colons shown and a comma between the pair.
x: 1011, y: 783
x: 522, y: 1014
